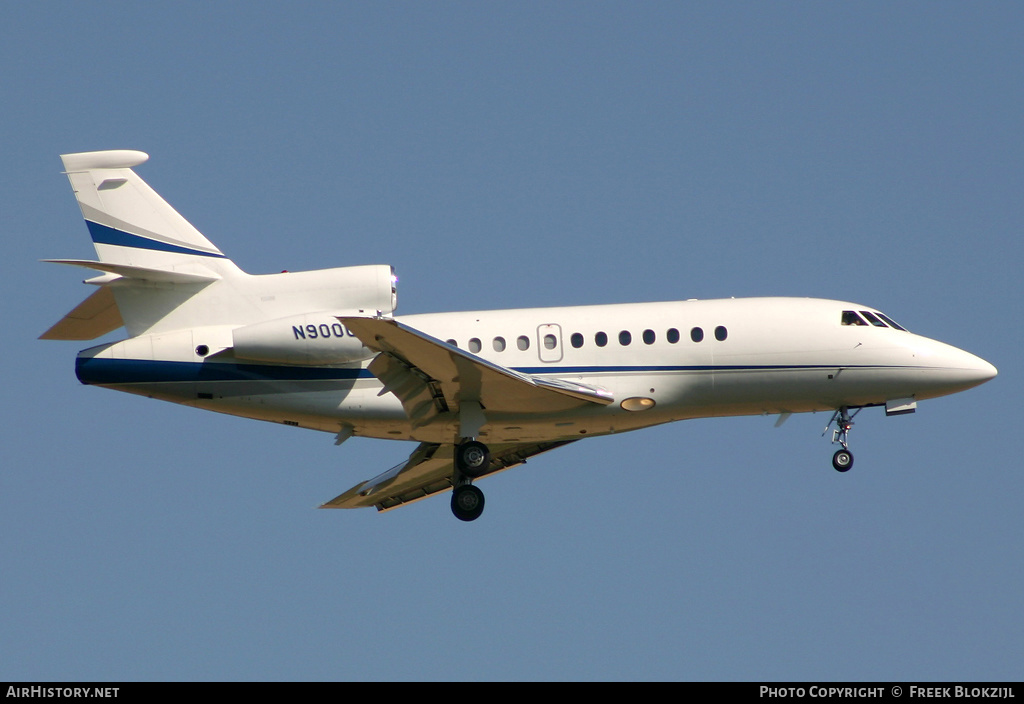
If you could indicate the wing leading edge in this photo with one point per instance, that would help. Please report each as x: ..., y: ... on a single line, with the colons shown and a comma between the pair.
x: 429, y: 470
x: 431, y: 377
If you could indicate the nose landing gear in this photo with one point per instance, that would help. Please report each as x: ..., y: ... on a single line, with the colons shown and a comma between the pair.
x: 842, y: 460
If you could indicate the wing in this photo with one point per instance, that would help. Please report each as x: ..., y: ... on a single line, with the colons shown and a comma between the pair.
x: 431, y: 377
x: 430, y: 469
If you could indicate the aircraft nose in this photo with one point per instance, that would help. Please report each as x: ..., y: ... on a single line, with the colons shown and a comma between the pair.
x: 958, y: 369
x: 971, y: 369
x: 985, y: 371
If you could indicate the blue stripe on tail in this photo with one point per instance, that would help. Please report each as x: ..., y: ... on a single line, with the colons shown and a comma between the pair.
x: 102, y: 234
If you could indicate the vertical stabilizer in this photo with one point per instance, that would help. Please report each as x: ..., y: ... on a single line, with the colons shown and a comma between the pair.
x: 159, y: 275
x: 130, y: 223
x: 159, y: 271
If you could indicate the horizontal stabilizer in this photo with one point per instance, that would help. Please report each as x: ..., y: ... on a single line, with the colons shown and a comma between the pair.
x: 139, y: 272
x: 96, y: 315
x: 110, y: 159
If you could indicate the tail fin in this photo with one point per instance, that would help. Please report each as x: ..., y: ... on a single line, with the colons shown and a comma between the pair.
x: 154, y: 261
x: 130, y: 223
x: 159, y: 275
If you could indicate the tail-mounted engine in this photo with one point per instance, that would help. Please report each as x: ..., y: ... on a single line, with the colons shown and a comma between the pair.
x: 318, y: 338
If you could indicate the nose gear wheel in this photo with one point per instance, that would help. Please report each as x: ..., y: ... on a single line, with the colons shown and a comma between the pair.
x: 842, y: 460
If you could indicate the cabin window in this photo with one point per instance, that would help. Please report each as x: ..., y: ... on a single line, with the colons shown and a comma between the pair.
x: 550, y: 342
x: 523, y: 342
x: 672, y: 336
x: 696, y: 334
x: 649, y: 337
x: 499, y: 344
x: 453, y: 343
x: 576, y: 340
x: 721, y: 333
x: 600, y: 339
x: 873, y: 319
x: 851, y: 318
x: 474, y: 345
x: 625, y: 338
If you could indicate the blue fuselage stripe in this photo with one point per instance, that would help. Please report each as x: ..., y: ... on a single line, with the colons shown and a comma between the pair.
x: 99, y: 370
x: 102, y: 234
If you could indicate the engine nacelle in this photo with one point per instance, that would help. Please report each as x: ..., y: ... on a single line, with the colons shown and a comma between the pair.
x: 356, y: 289
x: 316, y: 338
x: 312, y: 338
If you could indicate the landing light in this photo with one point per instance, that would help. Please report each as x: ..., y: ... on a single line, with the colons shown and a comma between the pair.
x: 637, y: 403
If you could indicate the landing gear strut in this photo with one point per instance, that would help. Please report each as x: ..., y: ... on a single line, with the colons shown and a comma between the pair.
x: 472, y: 460
x: 842, y: 460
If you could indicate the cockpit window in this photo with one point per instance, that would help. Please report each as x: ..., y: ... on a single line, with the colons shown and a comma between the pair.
x: 873, y: 319
x: 892, y: 324
x: 851, y: 318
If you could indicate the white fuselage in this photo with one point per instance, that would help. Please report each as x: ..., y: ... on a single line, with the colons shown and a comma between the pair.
x: 481, y: 391
x: 661, y: 361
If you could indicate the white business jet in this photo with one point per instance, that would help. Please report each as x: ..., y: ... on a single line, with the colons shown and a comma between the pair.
x: 480, y: 391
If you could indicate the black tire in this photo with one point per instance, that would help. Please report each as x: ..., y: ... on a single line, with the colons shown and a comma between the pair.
x: 842, y: 460
x: 467, y: 502
x: 472, y: 458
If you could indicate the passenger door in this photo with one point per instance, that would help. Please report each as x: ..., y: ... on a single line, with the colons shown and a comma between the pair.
x: 549, y: 342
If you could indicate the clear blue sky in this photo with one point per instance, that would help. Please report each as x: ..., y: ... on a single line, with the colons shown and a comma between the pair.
x: 508, y: 155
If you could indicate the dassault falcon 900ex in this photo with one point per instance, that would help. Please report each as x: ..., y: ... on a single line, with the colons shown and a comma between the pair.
x: 479, y: 391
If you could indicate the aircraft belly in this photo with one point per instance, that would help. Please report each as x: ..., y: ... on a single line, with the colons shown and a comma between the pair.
x: 668, y: 389
x: 742, y: 391
x: 323, y: 398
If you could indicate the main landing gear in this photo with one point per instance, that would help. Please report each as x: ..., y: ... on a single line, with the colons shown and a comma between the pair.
x: 842, y: 460
x: 467, y: 502
x: 472, y: 459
